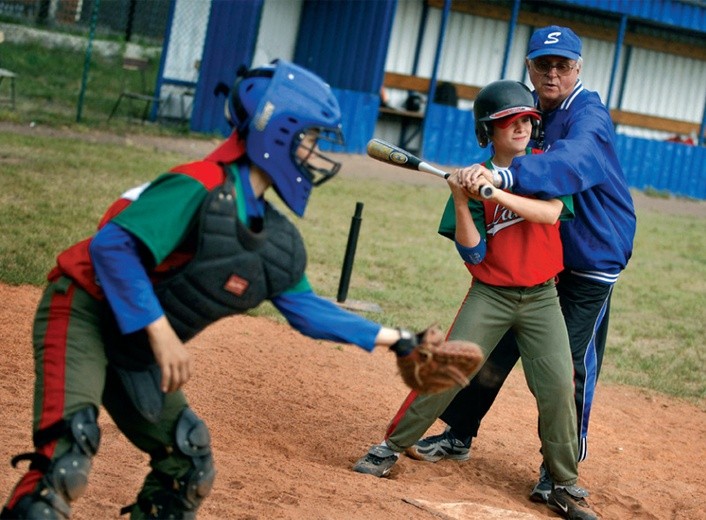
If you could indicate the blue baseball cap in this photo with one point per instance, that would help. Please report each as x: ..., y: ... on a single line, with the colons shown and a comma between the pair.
x: 554, y: 41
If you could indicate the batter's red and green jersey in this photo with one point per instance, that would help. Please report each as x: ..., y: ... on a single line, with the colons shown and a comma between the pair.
x: 519, y: 253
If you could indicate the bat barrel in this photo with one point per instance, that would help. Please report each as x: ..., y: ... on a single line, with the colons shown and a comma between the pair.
x: 389, y: 153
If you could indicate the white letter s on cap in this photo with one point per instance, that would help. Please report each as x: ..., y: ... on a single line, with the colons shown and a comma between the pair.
x: 552, y: 38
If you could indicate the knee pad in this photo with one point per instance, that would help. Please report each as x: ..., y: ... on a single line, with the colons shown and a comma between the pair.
x: 68, y: 474
x: 66, y: 477
x: 180, y: 501
x: 194, y: 440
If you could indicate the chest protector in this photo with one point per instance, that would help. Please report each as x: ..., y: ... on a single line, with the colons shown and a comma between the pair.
x: 234, y: 269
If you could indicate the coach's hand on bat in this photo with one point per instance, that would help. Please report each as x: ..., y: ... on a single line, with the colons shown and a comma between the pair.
x: 470, y: 180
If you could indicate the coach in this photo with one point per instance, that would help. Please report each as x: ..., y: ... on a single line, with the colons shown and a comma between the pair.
x: 580, y: 160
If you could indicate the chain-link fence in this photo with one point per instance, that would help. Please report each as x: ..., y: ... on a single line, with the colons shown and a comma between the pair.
x: 117, y: 44
x: 126, y: 20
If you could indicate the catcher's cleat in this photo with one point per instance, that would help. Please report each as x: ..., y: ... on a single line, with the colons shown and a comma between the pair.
x: 438, y: 447
x: 540, y: 492
x: 378, y: 461
x: 570, y: 502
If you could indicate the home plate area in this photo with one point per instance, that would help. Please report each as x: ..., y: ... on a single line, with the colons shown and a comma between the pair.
x: 468, y: 510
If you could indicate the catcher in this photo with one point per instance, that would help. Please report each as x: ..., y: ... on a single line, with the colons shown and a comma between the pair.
x: 512, y: 248
x: 171, y: 257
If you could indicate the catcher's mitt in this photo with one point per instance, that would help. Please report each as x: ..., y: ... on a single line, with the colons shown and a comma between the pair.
x: 428, y: 364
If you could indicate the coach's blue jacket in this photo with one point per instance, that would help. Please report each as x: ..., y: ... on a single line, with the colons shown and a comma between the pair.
x: 581, y: 161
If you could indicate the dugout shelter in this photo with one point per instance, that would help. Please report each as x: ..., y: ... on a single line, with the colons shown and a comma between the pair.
x: 647, y: 60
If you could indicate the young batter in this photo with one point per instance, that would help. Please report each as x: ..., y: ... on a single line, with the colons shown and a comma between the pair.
x: 512, y: 248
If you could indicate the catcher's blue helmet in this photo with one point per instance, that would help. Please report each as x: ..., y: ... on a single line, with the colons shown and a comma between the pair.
x: 274, y: 108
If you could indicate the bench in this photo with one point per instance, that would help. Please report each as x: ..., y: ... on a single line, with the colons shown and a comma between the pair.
x: 395, y: 80
x: 662, y: 124
x: 410, y: 120
x: 469, y: 92
x: 419, y: 84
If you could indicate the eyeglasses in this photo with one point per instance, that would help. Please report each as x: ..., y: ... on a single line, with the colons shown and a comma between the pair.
x: 563, y: 68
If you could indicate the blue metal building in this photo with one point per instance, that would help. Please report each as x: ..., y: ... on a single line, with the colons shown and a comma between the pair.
x: 347, y: 41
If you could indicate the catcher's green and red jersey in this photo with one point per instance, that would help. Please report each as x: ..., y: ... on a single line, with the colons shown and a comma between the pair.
x: 176, y: 204
x: 519, y: 253
x: 163, y: 237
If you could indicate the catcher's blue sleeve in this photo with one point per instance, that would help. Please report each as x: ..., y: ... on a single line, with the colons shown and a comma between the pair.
x: 128, y: 289
x: 318, y: 318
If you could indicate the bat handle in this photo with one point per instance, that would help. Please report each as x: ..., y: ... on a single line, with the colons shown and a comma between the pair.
x: 486, y: 191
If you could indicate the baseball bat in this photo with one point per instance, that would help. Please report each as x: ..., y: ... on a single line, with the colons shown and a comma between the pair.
x: 391, y: 154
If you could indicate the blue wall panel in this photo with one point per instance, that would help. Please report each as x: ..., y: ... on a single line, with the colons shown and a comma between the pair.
x: 359, y: 112
x: 685, y: 14
x: 449, y: 137
x: 672, y: 167
x: 346, y: 41
x: 449, y: 140
x: 230, y: 42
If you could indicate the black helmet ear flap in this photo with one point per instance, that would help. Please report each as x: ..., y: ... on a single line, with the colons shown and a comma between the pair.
x: 236, y: 114
x: 483, y: 133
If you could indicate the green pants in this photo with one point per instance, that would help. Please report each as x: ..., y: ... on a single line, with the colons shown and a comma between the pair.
x: 72, y: 373
x: 534, y: 315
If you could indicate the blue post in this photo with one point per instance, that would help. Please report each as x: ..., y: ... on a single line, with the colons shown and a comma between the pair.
x: 437, y: 57
x: 702, y: 128
x: 510, y: 31
x: 616, y: 57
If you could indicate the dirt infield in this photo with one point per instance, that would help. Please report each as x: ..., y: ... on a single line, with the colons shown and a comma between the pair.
x: 289, y: 416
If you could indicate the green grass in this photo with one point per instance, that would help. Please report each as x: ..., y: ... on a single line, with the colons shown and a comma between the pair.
x: 53, y: 190
x: 49, y: 85
x: 657, y: 320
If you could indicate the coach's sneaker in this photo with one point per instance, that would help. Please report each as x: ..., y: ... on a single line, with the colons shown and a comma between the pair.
x: 378, y: 461
x: 541, y: 491
x: 570, y: 502
x: 443, y: 446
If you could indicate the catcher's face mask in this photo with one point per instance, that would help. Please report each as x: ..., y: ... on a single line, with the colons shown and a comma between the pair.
x: 317, y: 167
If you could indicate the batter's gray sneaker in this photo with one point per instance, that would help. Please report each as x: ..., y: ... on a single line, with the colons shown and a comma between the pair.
x: 570, y: 502
x: 540, y: 492
x: 378, y: 461
x: 437, y: 447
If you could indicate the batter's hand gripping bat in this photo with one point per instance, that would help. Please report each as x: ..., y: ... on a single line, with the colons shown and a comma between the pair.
x: 391, y: 154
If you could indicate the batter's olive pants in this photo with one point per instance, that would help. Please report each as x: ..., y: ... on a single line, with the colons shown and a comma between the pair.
x: 585, y: 305
x: 534, y: 316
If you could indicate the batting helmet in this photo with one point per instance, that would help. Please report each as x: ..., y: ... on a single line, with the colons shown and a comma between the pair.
x: 274, y: 108
x: 504, y: 99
